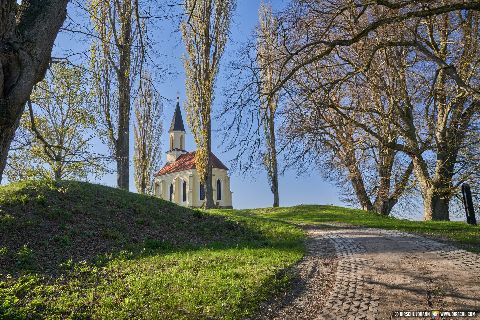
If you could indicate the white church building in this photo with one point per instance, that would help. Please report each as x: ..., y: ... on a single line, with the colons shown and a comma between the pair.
x: 179, y: 182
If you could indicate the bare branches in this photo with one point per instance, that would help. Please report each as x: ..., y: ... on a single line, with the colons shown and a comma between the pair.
x: 403, y: 66
x: 117, y: 61
x: 205, y: 33
x: 321, y: 47
x: 148, y: 129
x: 267, y: 45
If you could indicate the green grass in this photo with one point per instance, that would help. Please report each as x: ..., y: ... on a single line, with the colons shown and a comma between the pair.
x: 75, y: 250
x: 462, y: 234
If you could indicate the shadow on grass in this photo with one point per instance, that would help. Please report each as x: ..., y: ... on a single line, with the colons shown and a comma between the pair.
x: 46, y: 227
x: 78, y: 250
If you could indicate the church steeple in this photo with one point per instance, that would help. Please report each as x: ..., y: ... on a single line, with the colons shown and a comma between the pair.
x: 177, y: 120
x: 177, y: 135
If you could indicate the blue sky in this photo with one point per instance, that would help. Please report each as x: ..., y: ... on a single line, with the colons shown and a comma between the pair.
x: 251, y: 190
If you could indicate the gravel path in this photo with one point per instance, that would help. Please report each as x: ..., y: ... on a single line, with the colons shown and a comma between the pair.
x: 360, y: 273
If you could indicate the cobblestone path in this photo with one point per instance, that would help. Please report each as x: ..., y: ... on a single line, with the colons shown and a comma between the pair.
x: 360, y: 273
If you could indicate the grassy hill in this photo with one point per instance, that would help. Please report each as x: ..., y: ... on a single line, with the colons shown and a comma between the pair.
x: 82, y: 251
x: 460, y: 233
x: 74, y: 250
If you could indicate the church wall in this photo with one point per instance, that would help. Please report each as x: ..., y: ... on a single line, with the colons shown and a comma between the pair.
x: 162, y: 187
x: 222, y: 175
x: 176, y: 179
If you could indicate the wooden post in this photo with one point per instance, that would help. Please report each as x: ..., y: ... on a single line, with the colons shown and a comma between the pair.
x: 468, y: 203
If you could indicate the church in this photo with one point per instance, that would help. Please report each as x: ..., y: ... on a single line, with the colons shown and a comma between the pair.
x: 179, y: 182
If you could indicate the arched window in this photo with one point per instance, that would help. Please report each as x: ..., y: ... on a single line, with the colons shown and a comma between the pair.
x: 182, y: 138
x: 184, y: 189
x: 171, y: 142
x: 171, y: 192
x: 219, y: 189
x: 202, y: 191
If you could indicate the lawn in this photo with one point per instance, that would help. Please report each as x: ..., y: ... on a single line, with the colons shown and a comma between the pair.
x: 462, y: 234
x: 74, y: 250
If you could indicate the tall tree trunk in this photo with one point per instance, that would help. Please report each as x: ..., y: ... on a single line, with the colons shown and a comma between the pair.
x: 58, y: 174
x: 436, y: 195
x: 209, y: 203
x: 436, y: 205
x: 123, y: 143
x: 400, y: 187
x: 383, y: 206
x: 123, y: 155
x: 123, y: 152
x: 7, y: 133
x: 276, y: 197
x: 382, y: 203
x: 204, y: 34
x: 143, y: 167
x: 273, y: 160
x: 356, y: 179
x: 209, y: 189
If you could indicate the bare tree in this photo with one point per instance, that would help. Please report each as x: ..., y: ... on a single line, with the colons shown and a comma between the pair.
x: 376, y: 175
x: 433, y: 112
x: 147, y: 135
x: 117, y: 57
x: 448, y: 108
x: 267, y: 44
x: 205, y: 31
x: 438, y: 35
x: 250, y: 114
x: 327, y: 28
x: 27, y: 33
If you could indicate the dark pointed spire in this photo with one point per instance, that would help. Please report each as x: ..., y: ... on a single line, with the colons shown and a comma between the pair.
x: 177, y: 121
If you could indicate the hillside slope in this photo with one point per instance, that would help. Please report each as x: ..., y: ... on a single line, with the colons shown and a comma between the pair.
x: 460, y: 233
x: 78, y: 250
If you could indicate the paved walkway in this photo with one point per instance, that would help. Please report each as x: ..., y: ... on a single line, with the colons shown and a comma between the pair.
x: 359, y: 273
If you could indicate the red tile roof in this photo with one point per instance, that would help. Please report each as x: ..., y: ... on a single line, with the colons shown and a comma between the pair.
x: 187, y: 161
